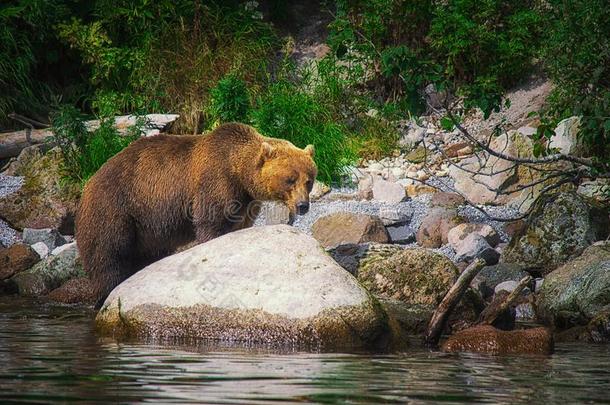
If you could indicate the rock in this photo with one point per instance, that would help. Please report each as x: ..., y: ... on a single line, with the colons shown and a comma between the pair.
x: 418, y: 155
x: 388, y: 192
x: 446, y: 199
x: 578, y: 291
x: 15, y: 259
x: 414, y: 276
x: 393, y: 216
x: 559, y: 228
x: 490, y: 276
x: 473, y: 246
x: 458, y: 234
x: 401, y: 234
x: 414, y: 135
x: 525, y: 312
x: 432, y: 232
x: 346, y: 227
x: 318, y: 191
x: 74, y: 291
x: 412, y: 319
x: 508, y: 286
x: 487, y: 339
x: 596, y: 190
x: 50, y: 273
x: 44, y: 201
x: 505, y: 319
x: 515, y: 227
x: 248, y: 286
x: 48, y: 236
x: 274, y: 213
x: 454, y: 149
x: 42, y: 249
x: 414, y: 190
x: 365, y: 187
x: 349, y: 256
x: 565, y: 139
x: 496, y: 176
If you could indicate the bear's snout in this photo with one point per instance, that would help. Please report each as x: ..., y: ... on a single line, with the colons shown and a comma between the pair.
x: 302, y: 207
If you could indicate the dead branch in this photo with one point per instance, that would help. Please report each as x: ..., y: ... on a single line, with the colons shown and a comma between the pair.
x: 492, y: 312
x: 449, y: 302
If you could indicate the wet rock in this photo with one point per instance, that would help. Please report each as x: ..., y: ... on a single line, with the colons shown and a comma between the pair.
x: 248, y: 286
x: 487, y: 339
x: 345, y: 228
x: 74, y: 291
x: 414, y: 276
x: 525, y: 312
x: 15, y: 259
x: 50, y: 237
x: 388, y: 192
x: 561, y: 226
x: 433, y: 231
x: 50, y: 273
x: 578, y: 291
x: 44, y: 201
x: 446, y: 199
x: 458, y: 234
x: 473, y: 246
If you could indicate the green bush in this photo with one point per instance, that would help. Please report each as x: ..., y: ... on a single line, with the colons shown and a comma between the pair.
x: 85, y: 152
x: 476, y: 49
x: 230, y: 101
x: 577, y: 58
x: 286, y: 111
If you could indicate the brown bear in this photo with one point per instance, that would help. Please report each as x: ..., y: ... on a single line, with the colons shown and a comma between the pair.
x: 165, y: 191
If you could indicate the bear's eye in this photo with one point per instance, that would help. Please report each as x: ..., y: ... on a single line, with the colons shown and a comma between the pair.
x: 309, y: 184
x: 291, y: 181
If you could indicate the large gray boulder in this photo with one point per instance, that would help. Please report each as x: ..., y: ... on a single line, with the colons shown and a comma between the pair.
x: 578, y: 291
x: 559, y: 228
x: 271, y: 285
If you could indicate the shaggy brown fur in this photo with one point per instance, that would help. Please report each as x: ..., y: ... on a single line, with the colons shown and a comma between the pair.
x: 165, y: 191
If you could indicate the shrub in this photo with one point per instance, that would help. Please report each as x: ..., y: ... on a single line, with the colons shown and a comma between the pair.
x: 230, y: 101
x: 577, y: 58
x: 85, y: 152
x: 286, y: 111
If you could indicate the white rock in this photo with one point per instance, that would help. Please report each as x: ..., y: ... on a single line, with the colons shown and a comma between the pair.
x: 270, y: 284
x: 389, y: 192
x: 64, y: 248
x: 41, y: 249
x: 566, y: 137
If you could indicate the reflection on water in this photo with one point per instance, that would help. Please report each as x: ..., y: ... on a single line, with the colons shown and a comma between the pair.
x: 51, y: 354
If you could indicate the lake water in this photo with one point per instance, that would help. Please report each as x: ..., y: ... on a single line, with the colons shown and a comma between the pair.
x: 50, y: 354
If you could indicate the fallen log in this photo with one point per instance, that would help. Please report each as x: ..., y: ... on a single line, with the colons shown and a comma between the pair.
x: 12, y: 143
x: 451, y: 299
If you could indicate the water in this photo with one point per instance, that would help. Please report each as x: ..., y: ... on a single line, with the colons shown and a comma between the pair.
x: 51, y: 354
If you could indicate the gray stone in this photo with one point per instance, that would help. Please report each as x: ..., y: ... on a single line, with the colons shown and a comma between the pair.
x: 579, y: 290
x: 525, y: 312
x: 50, y: 273
x: 271, y: 285
x: 414, y: 135
x: 509, y: 286
x: 490, y: 276
x: 458, y: 234
x: 346, y: 227
x: 559, y: 228
x: 474, y: 246
x: 401, y: 234
x: 48, y: 236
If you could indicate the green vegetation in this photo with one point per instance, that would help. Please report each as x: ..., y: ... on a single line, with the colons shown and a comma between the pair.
x: 213, y: 62
x: 83, y: 152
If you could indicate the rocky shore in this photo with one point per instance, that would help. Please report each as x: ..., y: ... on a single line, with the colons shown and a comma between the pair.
x: 367, y: 265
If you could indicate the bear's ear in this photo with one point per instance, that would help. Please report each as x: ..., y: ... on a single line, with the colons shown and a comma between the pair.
x: 267, y: 151
x: 310, y: 150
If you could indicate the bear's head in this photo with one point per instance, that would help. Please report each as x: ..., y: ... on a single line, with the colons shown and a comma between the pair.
x: 288, y: 174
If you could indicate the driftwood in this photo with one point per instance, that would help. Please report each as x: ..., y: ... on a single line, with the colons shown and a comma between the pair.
x: 451, y: 299
x: 12, y: 143
x: 492, y: 312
